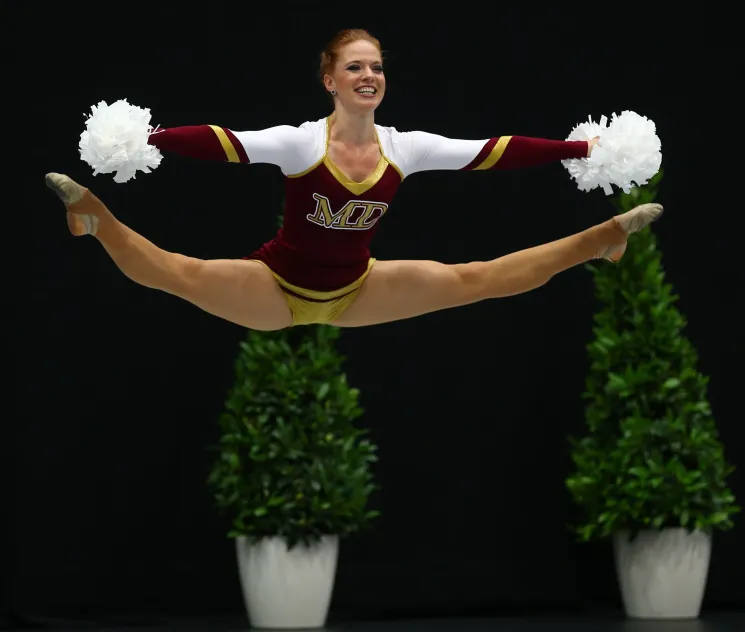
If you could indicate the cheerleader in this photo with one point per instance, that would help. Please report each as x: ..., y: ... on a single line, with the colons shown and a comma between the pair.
x: 341, y: 174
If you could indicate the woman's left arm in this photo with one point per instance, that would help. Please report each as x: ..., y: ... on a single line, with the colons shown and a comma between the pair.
x: 423, y: 151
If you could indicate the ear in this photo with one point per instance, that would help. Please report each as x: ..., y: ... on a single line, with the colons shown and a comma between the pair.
x: 328, y: 82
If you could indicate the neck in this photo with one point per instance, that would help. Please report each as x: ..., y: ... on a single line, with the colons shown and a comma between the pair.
x: 357, y: 129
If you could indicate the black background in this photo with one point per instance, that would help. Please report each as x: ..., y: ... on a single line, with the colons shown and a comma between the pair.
x: 118, y: 387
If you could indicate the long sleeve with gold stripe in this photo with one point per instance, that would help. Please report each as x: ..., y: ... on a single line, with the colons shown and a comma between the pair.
x: 423, y: 151
x: 286, y: 146
x: 205, y: 142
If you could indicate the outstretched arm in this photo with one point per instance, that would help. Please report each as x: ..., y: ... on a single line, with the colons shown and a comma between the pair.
x: 204, y: 142
x: 422, y: 151
x: 518, y: 152
x: 288, y: 147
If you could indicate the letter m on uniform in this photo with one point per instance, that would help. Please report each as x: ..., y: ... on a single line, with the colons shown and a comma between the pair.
x: 354, y: 215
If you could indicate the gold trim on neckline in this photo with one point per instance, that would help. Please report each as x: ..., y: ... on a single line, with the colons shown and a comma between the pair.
x: 358, y: 188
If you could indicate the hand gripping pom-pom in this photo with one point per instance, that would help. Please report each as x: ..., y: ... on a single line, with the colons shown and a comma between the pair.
x: 627, y: 154
x: 115, y: 140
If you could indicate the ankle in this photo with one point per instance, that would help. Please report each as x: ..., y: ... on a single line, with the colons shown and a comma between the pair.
x: 599, y: 239
x: 82, y: 205
x: 613, y: 232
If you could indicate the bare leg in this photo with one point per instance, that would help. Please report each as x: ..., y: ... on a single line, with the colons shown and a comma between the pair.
x: 242, y: 292
x: 396, y: 290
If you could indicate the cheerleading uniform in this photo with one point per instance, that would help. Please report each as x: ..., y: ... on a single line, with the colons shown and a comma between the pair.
x: 321, y: 255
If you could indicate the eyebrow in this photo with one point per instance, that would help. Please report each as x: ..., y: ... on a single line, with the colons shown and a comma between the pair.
x: 357, y: 61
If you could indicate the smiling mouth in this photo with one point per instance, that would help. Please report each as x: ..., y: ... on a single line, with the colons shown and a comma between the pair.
x: 366, y: 91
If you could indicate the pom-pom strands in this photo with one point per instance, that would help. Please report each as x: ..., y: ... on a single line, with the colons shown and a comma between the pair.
x: 116, y: 140
x: 627, y: 154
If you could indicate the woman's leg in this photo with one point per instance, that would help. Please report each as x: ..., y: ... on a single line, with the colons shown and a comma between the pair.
x: 242, y: 292
x: 395, y: 290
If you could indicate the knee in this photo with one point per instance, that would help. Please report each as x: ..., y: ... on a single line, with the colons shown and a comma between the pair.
x: 189, y: 267
x: 185, y: 273
x: 472, y: 280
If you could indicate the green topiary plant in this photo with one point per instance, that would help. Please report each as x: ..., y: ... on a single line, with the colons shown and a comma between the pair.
x: 652, y: 457
x: 291, y: 462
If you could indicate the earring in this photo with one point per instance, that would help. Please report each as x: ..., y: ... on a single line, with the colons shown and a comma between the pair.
x: 333, y: 92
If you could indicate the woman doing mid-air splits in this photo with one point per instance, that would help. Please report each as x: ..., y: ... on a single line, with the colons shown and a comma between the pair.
x: 341, y: 174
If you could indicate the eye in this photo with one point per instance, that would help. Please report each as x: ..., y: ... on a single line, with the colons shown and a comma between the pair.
x: 356, y: 67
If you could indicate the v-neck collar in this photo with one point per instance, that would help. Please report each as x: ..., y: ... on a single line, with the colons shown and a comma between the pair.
x: 353, y: 186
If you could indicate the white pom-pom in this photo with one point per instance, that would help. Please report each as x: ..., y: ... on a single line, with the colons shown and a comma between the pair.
x: 115, y: 140
x: 627, y: 154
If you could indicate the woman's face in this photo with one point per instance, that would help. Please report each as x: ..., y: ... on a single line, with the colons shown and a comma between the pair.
x: 358, y: 77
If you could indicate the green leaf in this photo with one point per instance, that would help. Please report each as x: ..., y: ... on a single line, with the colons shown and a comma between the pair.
x: 719, y: 517
x: 323, y: 390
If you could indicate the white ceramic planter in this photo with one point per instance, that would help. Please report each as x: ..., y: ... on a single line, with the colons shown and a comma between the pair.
x: 287, y: 589
x: 663, y: 574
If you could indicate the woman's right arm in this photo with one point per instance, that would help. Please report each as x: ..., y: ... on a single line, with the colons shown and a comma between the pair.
x: 290, y: 148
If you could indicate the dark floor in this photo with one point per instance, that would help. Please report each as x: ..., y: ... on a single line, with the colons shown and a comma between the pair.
x: 707, y: 623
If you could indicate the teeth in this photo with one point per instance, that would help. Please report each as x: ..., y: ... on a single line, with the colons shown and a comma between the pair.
x: 366, y: 90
